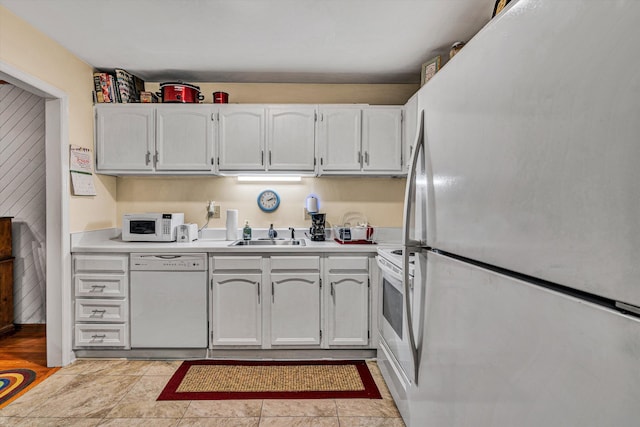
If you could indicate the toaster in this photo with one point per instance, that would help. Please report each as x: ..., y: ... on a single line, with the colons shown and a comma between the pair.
x: 186, y: 233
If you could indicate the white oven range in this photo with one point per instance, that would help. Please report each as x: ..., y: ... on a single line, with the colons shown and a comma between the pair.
x: 394, y: 349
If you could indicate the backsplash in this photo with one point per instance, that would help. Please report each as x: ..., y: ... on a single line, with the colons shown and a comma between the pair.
x: 380, y: 200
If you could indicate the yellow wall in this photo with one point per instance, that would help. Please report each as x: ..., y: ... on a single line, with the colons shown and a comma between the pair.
x: 25, y: 48
x: 379, y: 199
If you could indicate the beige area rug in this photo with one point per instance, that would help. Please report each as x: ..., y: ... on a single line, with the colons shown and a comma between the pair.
x: 233, y: 379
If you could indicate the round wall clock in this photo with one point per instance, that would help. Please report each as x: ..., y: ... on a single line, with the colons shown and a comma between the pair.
x: 268, y: 200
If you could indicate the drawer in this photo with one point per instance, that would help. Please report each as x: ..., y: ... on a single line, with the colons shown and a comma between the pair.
x: 342, y: 263
x: 295, y: 263
x: 110, y: 263
x: 101, y: 285
x: 101, y: 336
x: 101, y: 310
x: 237, y: 263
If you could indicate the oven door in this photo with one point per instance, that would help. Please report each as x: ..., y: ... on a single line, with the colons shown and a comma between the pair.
x: 393, y: 323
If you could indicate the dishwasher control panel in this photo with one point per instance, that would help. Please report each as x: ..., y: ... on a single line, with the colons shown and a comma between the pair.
x: 168, y: 262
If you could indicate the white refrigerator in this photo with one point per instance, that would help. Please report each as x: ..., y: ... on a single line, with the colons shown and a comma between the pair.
x: 526, y: 223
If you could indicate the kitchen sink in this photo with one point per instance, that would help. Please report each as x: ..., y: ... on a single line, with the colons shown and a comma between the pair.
x: 269, y: 242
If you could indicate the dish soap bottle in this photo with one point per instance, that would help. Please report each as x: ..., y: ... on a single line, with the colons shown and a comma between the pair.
x: 246, y: 231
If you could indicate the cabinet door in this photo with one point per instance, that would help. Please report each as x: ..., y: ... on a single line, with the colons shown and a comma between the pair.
x: 291, y: 138
x: 382, y: 139
x: 295, y: 309
x: 241, y: 138
x: 339, y: 134
x: 409, y: 130
x: 184, y: 138
x: 125, y: 137
x: 348, y: 309
x: 236, y: 309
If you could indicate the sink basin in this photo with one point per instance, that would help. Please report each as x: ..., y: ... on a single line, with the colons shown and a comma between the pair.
x: 269, y: 242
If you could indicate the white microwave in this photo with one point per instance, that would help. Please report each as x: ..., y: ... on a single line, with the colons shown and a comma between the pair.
x: 151, y: 227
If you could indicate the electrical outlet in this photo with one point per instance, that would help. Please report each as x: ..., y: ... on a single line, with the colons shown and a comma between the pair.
x: 305, y: 214
x: 216, y: 211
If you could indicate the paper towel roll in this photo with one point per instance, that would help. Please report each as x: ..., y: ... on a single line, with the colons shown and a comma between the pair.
x: 232, y: 224
x: 312, y: 204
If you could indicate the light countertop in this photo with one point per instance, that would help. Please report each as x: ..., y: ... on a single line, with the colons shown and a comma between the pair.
x: 110, y: 241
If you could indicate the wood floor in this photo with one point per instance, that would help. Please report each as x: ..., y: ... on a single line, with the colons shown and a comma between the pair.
x: 26, y: 348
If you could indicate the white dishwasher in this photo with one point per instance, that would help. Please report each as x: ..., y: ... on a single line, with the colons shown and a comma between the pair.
x: 168, y: 300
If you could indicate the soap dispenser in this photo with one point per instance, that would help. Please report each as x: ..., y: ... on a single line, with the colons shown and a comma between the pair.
x: 272, y: 233
x: 246, y: 231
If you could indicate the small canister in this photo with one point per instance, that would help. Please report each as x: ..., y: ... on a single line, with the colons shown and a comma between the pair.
x: 220, y: 98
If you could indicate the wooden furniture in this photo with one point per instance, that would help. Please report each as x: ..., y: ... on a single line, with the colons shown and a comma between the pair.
x: 6, y: 277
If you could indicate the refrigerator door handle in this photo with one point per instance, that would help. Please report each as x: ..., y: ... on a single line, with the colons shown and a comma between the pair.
x: 408, y: 243
x: 410, y: 190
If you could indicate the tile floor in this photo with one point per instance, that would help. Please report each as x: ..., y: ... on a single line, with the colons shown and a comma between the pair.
x: 123, y: 393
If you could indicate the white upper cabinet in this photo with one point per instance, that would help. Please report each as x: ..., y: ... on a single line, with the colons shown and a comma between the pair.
x: 125, y: 136
x: 339, y: 137
x: 360, y: 140
x: 185, y: 138
x: 410, y: 130
x: 291, y: 138
x: 382, y: 139
x: 241, y: 135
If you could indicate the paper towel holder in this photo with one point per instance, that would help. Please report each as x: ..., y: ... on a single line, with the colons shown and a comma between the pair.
x: 311, y: 205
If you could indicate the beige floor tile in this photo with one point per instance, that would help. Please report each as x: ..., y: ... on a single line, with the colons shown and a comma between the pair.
x: 91, y: 396
x: 148, y: 388
x: 370, y: 422
x: 219, y: 422
x: 299, y: 408
x: 163, y: 367
x: 106, y: 367
x: 223, y: 408
x: 299, y: 422
x: 35, y: 397
x: 367, y: 408
x: 146, y: 409
x: 140, y: 422
x: 55, y: 422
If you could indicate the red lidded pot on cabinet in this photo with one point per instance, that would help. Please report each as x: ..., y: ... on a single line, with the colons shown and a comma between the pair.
x: 180, y: 92
x: 220, y: 98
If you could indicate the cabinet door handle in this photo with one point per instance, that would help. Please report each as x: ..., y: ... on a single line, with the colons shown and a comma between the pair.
x: 262, y: 157
x: 147, y: 158
x: 273, y: 298
x: 258, y: 285
x: 366, y: 157
x: 269, y: 157
x: 156, y: 158
x: 333, y: 292
x: 359, y: 157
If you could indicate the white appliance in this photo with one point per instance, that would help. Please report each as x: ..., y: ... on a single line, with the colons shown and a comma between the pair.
x: 186, y: 233
x: 168, y: 300
x: 523, y: 212
x: 151, y: 227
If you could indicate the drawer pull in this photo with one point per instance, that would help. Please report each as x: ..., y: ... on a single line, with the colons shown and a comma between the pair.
x: 98, y: 288
x: 103, y: 336
x: 98, y: 312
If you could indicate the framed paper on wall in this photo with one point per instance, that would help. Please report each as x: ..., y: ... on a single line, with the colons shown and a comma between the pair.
x: 429, y: 69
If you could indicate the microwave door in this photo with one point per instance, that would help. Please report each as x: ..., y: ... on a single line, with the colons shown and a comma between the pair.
x: 144, y: 227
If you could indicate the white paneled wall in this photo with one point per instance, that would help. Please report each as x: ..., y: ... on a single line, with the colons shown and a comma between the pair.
x: 22, y: 195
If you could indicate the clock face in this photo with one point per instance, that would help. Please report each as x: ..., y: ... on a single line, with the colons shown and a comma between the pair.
x: 268, y: 200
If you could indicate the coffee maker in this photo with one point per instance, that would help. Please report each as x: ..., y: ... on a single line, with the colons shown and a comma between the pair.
x: 316, y: 232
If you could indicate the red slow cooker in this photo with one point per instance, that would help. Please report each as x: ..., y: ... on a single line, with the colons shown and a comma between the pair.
x: 180, y: 92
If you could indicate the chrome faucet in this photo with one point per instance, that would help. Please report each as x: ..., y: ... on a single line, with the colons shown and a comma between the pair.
x: 293, y: 233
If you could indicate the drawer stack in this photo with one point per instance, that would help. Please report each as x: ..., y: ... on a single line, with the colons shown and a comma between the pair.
x: 101, y: 284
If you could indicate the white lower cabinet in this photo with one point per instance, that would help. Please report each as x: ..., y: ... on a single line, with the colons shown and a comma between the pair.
x: 101, y: 301
x: 347, y: 296
x: 236, y: 309
x: 295, y: 309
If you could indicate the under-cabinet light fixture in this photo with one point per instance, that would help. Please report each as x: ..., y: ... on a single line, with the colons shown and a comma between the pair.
x: 266, y: 178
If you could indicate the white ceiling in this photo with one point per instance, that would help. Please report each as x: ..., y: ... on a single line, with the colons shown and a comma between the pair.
x: 305, y: 41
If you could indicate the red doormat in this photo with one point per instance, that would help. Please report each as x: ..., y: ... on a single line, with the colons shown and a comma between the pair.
x: 234, y: 379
